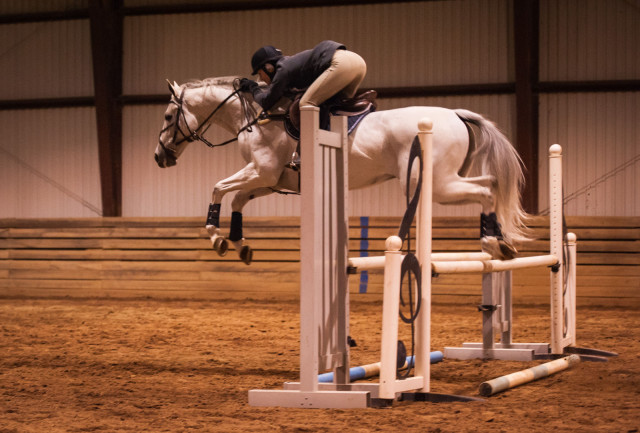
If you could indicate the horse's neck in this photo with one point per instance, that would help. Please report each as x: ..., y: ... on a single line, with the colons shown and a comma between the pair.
x: 202, y: 101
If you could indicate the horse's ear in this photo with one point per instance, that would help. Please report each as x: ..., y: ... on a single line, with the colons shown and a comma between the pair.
x: 171, y: 89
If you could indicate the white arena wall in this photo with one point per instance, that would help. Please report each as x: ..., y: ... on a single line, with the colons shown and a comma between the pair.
x: 48, y: 157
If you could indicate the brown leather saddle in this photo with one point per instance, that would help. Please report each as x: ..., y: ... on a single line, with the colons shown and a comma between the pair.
x: 361, y: 103
x: 355, y: 109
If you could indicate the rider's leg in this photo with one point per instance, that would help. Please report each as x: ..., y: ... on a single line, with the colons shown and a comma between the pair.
x: 346, y: 72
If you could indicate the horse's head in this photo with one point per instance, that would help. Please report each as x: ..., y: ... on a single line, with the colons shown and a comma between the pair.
x: 177, y: 129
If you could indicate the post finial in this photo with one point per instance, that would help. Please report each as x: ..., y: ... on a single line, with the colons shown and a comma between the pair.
x: 555, y: 150
x: 393, y: 243
x: 425, y: 124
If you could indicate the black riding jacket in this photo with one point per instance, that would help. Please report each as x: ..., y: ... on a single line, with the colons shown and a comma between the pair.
x: 296, y: 73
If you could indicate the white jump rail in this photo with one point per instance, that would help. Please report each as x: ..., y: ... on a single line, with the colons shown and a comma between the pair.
x: 417, y: 387
x: 377, y: 262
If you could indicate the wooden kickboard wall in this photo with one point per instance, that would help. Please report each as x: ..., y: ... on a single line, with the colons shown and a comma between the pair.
x: 172, y: 258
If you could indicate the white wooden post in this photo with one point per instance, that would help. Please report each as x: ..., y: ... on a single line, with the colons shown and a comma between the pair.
x: 424, y: 236
x: 555, y: 236
x: 569, y: 297
x: 390, y: 307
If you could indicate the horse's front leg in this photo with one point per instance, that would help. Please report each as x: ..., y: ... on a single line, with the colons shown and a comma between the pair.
x: 235, y: 231
x: 220, y: 244
x: 248, y: 178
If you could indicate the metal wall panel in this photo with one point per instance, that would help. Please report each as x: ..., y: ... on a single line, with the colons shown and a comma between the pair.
x: 45, y: 60
x: 404, y: 44
x: 49, y: 164
x: 8, y: 7
x: 584, y: 40
x: 600, y: 138
x: 589, y: 40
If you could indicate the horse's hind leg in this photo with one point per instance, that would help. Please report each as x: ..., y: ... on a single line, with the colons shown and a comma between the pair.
x: 492, y: 240
x: 480, y: 190
x: 235, y: 231
x: 467, y: 190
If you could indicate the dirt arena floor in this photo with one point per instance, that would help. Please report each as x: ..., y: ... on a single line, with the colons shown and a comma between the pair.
x: 106, y: 365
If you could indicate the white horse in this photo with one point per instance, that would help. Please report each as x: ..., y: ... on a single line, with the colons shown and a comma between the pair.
x: 378, y: 151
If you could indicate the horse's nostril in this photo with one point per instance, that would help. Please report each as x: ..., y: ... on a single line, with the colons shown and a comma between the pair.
x: 157, y: 158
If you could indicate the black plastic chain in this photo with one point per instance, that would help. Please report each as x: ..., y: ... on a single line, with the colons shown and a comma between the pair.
x: 410, y: 264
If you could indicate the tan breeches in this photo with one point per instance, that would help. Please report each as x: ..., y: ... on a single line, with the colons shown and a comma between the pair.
x: 344, y: 75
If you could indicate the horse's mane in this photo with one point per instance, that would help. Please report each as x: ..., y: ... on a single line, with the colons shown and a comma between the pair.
x: 214, y: 81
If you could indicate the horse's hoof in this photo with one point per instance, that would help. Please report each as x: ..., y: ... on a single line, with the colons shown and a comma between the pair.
x: 508, y: 251
x: 498, y: 248
x: 221, y: 246
x: 490, y: 245
x: 246, y: 254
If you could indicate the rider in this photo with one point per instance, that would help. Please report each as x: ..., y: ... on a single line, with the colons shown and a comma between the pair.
x: 324, y: 71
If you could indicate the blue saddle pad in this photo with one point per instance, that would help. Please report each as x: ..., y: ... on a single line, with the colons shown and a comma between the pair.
x: 352, y: 123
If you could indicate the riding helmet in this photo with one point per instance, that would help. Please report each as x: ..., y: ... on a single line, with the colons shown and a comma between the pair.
x: 264, y: 55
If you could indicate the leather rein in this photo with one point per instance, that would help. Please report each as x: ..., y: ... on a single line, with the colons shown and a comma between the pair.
x: 198, y: 133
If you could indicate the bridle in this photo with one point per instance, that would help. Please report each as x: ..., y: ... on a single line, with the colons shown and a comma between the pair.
x: 198, y: 133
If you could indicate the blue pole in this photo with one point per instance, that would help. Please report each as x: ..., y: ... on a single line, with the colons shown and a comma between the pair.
x: 369, y: 370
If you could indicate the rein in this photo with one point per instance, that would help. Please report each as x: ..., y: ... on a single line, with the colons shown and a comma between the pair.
x: 197, y: 134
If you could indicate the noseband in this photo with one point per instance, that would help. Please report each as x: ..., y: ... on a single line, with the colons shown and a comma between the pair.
x: 197, y: 134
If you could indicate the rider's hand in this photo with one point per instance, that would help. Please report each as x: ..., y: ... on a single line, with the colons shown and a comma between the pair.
x: 247, y: 85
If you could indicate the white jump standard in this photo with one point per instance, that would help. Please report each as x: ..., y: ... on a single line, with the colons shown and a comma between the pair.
x: 496, y: 304
x: 324, y: 298
x: 324, y: 295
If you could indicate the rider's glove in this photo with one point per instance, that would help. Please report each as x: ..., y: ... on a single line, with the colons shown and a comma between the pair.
x: 247, y: 85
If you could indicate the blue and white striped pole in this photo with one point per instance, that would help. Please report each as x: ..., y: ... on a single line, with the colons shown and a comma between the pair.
x: 370, y: 370
x: 525, y: 376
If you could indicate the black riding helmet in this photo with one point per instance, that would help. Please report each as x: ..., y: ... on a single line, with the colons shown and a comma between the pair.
x: 266, y: 54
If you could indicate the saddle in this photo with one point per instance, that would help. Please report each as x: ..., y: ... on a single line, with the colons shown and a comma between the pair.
x: 361, y: 103
x: 355, y: 109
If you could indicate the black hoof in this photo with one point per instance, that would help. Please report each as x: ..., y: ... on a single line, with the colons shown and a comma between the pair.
x: 498, y: 248
x: 489, y: 244
x: 508, y: 251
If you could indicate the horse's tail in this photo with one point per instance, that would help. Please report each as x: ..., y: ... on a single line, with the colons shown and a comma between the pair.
x: 500, y: 159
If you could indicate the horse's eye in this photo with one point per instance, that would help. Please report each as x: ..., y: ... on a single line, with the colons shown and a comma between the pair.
x: 168, y: 117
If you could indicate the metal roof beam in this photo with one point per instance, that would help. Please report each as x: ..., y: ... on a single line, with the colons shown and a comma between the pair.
x: 106, y: 48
